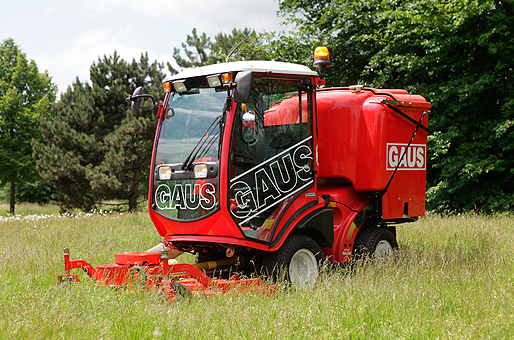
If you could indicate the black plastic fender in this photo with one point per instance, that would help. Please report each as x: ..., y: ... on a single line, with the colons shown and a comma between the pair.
x: 319, y: 225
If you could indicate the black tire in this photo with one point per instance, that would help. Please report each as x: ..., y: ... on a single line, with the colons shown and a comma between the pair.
x: 182, y: 293
x: 375, y: 243
x: 297, y: 261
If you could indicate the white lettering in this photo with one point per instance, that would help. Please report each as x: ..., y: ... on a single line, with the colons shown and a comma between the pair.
x: 301, y: 158
x: 178, y: 199
x: 266, y: 188
x: 185, y: 197
x: 421, y: 158
x: 284, y: 184
x: 403, y: 156
x: 244, y: 199
x: 393, y: 156
x: 207, y: 196
x: 412, y: 158
x: 192, y: 201
x: 273, y: 181
x: 163, y: 197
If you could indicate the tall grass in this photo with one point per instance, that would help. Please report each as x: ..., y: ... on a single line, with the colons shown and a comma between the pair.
x: 452, y: 279
x: 24, y: 209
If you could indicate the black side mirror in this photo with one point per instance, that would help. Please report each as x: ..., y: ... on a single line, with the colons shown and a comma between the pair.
x: 135, y: 98
x: 243, y: 86
x: 136, y: 102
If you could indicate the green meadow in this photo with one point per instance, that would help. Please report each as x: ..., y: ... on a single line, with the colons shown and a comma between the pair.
x: 452, y: 278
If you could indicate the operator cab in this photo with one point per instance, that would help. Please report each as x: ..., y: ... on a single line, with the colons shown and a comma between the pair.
x: 236, y: 140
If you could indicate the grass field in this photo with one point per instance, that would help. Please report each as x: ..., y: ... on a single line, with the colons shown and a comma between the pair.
x: 453, y: 278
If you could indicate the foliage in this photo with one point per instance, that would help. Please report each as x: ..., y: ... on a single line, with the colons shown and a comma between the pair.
x: 94, y: 147
x: 452, y: 278
x: 37, y: 192
x: 199, y: 50
x: 224, y: 44
x: 25, y: 97
x: 455, y: 53
x: 196, y: 57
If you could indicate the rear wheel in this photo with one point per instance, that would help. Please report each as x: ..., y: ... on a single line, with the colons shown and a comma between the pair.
x: 375, y: 243
x: 298, y: 261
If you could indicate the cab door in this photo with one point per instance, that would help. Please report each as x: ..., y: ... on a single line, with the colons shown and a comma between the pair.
x: 271, y: 154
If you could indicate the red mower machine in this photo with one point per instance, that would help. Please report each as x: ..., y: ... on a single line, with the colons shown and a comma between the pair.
x: 257, y: 168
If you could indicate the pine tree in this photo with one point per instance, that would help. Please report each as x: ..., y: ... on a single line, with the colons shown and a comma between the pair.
x: 72, y: 142
x: 200, y: 50
x: 226, y: 43
x: 128, y: 147
x: 94, y: 148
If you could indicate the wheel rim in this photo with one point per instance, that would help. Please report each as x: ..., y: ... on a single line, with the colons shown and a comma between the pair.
x: 303, y: 269
x: 384, y: 251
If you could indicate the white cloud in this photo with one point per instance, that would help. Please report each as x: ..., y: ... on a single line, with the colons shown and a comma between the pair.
x: 205, y: 15
x: 66, y: 37
x: 76, y: 57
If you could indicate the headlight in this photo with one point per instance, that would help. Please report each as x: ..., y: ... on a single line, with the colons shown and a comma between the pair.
x: 180, y: 85
x: 164, y: 173
x: 200, y: 170
x: 214, y: 81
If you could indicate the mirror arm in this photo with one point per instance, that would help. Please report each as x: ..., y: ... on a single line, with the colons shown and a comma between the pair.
x: 136, y: 97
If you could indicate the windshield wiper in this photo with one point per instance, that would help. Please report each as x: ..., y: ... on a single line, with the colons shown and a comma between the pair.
x: 204, y: 144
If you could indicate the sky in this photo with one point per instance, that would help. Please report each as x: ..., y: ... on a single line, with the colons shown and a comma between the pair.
x: 65, y: 37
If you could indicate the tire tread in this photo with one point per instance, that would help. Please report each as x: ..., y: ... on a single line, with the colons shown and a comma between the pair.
x: 368, y: 238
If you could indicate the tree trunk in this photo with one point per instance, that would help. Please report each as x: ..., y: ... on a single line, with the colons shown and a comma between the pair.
x: 13, y: 196
x: 133, y: 198
x: 134, y: 191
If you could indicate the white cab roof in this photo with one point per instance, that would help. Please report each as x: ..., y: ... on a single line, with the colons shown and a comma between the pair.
x: 251, y: 65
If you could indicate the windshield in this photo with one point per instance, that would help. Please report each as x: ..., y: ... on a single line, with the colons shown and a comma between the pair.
x: 189, y: 133
x: 187, y: 118
x: 271, y: 153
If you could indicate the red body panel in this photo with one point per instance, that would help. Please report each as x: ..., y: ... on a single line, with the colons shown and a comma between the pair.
x: 360, y: 137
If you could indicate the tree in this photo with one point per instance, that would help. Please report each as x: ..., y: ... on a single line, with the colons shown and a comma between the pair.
x: 128, y: 148
x: 455, y: 53
x: 25, y: 98
x: 36, y: 192
x: 200, y: 50
x: 94, y: 148
x: 196, y: 49
x: 224, y: 44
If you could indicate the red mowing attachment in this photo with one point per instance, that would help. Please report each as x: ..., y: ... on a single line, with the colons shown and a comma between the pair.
x: 145, y: 270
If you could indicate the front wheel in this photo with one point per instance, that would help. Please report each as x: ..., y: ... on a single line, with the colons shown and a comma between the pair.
x: 375, y: 243
x: 298, y: 261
